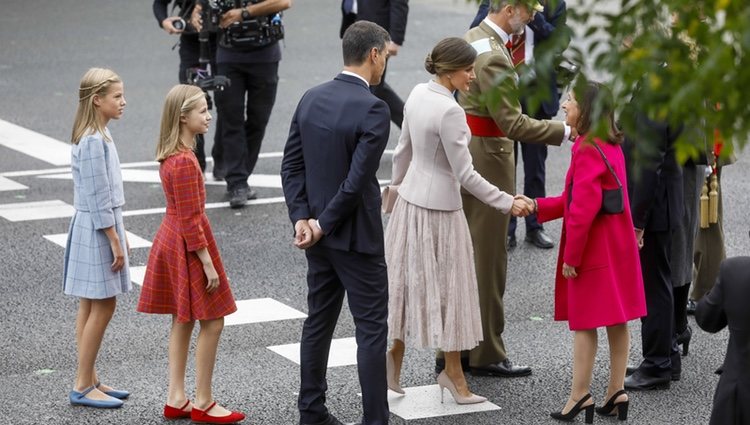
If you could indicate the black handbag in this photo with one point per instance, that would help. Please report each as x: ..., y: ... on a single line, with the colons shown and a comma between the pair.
x: 612, y: 199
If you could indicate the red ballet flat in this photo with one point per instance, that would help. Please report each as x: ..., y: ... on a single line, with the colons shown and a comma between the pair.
x: 174, y: 413
x: 202, y: 417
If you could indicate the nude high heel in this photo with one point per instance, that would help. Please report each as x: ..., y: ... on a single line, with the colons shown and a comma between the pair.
x: 390, y: 374
x: 444, y: 382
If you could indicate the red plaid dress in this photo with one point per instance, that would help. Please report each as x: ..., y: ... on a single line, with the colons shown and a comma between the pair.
x: 175, y: 282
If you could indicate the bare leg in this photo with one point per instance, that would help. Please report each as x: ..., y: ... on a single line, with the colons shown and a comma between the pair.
x: 455, y: 372
x: 584, y: 353
x: 619, y: 347
x: 179, y: 344
x: 91, y: 324
x: 397, y: 351
x: 205, y: 360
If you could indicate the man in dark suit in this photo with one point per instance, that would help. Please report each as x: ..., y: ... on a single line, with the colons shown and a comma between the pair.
x: 337, y: 137
x: 657, y: 205
x: 545, y: 25
x: 726, y: 305
x: 391, y: 15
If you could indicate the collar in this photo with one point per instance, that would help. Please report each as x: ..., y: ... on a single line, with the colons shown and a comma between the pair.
x: 352, y: 74
x: 499, y: 31
x: 439, y: 88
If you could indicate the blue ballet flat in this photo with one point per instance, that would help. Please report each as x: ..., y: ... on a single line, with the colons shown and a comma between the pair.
x: 79, y: 399
x: 120, y: 394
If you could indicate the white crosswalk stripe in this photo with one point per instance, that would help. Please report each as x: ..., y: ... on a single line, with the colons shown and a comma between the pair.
x: 261, y: 310
x: 343, y: 352
x: 7, y: 184
x: 134, y: 240
x: 40, y: 210
x: 34, y: 144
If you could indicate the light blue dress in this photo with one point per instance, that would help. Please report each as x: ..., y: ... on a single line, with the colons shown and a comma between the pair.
x: 98, y: 199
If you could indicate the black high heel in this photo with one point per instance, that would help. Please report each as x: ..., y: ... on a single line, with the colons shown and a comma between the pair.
x: 609, y: 407
x: 571, y: 415
x: 683, y: 339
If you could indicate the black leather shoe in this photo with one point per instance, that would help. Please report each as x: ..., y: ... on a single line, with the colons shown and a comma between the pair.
x: 691, y: 306
x: 440, y: 364
x: 683, y: 338
x: 639, y: 381
x: 505, y: 368
x: 512, y: 242
x: 539, y: 239
x: 238, y: 197
x: 676, y: 374
x: 330, y: 421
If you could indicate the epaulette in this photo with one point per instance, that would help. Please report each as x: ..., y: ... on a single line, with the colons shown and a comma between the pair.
x: 485, y: 45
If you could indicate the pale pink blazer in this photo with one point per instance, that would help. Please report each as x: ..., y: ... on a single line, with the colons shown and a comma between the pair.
x: 432, y: 159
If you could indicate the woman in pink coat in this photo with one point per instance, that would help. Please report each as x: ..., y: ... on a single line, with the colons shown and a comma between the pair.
x: 598, y: 279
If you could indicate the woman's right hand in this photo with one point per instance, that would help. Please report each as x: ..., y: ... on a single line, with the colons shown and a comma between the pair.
x: 212, y: 277
x: 118, y: 254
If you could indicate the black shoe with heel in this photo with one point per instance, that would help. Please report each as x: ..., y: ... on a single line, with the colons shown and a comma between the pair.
x: 613, y: 407
x: 683, y: 338
x: 571, y: 415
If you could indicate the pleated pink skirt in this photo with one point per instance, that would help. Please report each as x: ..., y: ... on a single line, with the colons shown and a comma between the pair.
x: 432, y: 284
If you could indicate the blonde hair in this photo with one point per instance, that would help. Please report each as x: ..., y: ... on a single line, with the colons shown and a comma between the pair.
x: 180, y: 100
x: 95, y: 82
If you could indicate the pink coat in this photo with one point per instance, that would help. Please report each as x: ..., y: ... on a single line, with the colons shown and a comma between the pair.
x: 602, y: 247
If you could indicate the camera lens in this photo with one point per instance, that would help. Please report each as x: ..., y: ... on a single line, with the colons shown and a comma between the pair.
x: 179, y: 24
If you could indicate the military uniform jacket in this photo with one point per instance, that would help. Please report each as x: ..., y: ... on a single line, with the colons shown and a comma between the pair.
x: 493, y: 61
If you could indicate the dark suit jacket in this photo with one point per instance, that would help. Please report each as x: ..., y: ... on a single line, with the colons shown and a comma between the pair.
x: 726, y: 305
x: 389, y: 14
x: 654, y: 176
x: 544, y: 25
x: 337, y: 136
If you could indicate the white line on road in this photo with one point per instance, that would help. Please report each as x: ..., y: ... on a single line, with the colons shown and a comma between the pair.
x: 34, y: 144
x: 8, y: 184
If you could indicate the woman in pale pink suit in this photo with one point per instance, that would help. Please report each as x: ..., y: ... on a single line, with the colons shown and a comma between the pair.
x: 598, y: 282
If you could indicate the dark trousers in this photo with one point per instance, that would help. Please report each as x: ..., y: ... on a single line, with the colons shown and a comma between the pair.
x: 395, y: 104
x: 363, y: 279
x: 534, y: 177
x: 245, y: 108
x: 190, y: 58
x: 660, y: 354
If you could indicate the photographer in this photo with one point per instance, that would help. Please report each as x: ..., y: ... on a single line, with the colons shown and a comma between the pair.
x: 189, y: 61
x: 249, y: 55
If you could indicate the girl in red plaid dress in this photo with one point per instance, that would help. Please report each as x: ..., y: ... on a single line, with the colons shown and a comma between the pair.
x: 185, y: 276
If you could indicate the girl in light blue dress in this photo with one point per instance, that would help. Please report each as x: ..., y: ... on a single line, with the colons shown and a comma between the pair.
x: 96, y: 253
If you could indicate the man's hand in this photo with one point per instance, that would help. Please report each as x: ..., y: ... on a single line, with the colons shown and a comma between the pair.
x: 317, y: 231
x: 392, y: 48
x: 230, y: 17
x: 196, y: 18
x: 303, y: 234
x: 168, y: 27
x: 639, y: 237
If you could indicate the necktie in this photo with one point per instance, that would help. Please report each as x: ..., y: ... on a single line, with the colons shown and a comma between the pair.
x: 518, y: 48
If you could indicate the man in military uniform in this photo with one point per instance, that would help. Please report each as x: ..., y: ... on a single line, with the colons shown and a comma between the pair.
x: 494, y: 127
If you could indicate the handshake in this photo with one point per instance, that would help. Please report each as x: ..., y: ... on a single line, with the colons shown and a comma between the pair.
x: 523, y: 206
x: 307, y: 232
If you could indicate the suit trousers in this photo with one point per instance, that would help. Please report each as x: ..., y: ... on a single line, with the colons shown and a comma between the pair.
x: 534, y: 177
x: 486, y: 225
x: 657, y: 327
x: 245, y: 107
x: 395, y: 104
x: 364, y: 280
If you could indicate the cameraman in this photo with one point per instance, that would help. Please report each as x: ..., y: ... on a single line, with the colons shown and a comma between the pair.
x: 246, y: 105
x: 189, y: 58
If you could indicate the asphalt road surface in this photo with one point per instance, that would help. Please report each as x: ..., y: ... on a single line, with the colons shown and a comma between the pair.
x: 44, y: 50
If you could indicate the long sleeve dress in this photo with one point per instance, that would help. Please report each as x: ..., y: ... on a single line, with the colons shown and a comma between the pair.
x: 98, y: 199
x: 175, y: 282
x: 432, y: 284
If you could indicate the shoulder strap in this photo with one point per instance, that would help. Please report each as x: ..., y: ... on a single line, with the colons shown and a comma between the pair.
x: 596, y: 145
